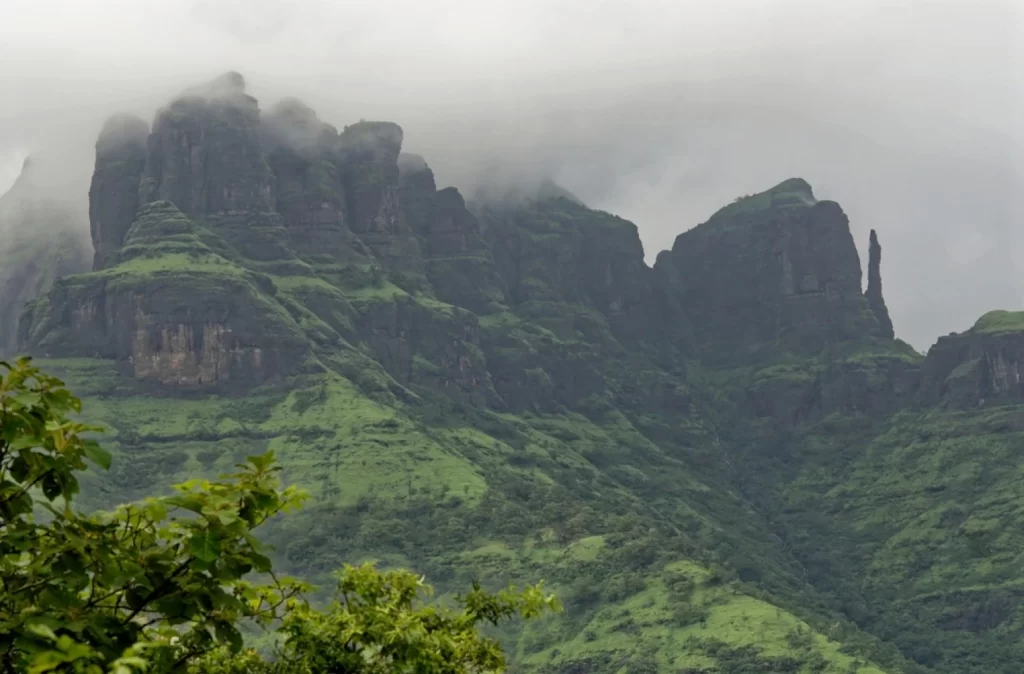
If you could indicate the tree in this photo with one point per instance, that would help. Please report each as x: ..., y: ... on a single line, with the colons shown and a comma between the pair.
x: 164, y: 584
x: 162, y: 578
x: 378, y: 624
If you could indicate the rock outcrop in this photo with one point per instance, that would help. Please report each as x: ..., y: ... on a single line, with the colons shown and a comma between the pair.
x: 206, y: 155
x: 368, y: 153
x: 459, y: 264
x: 114, y: 192
x: 874, y: 289
x: 982, y: 366
x: 337, y: 242
x: 310, y: 195
x: 170, y: 310
x: 775, y: 269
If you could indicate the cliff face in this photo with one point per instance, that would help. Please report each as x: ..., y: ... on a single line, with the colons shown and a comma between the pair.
x: 983, y: 366
x: 515, y: 304
x: 777, y: 269
x: 170, y: 310
x: 114, y: 192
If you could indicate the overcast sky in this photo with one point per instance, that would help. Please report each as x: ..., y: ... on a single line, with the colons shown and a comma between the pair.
x: 910, y: 113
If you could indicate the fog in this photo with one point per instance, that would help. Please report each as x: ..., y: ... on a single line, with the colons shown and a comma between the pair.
x: 907, y: 112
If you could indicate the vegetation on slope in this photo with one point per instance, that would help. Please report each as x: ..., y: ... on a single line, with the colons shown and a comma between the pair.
x: 511, y: 393
x: 160, y: 585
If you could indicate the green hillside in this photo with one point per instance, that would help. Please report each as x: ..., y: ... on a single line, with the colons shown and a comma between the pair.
x: 723, y: 463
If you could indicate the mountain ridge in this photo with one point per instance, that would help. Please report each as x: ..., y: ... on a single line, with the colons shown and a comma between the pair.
x: 506, y: 388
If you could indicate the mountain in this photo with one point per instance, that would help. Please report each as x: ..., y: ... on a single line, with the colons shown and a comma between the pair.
x: 723, y: 463
x: 40, y: 240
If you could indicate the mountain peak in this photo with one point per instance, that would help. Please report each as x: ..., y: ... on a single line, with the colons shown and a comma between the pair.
x: 790, y: 193
x: 228, y: 85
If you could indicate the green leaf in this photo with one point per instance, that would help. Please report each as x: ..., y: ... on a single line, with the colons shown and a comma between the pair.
x: 186, y: 501
x: 97, y: 454
x: 227, y: 633
x: 42, y: 631
x: 51, y: 486
x: 205, y: 545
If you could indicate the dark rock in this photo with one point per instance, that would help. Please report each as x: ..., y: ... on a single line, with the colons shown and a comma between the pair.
x: 310, y: 196
x: 558, y: 251
x: 459, y: 264
x: 433, y: 346
x: 874, y: 290
x: 114, y: 192
x: 776, y: 269
x: 170, y: 310
x: 206, y: 154
x: 368, y: 155
x: 982, y: 366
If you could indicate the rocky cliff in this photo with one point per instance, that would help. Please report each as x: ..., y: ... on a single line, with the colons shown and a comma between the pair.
x: 777, y: 269
x: 982, y: 366
x: 874, y: 290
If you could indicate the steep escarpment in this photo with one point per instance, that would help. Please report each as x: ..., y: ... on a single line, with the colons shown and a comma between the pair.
x: 114, y: 192
x: 979, y: 367
x: 773, y: 270
x: 169, y: 309
x: 723, y: 463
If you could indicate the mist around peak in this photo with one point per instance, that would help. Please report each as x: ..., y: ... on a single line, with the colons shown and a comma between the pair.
x: 660, y: 112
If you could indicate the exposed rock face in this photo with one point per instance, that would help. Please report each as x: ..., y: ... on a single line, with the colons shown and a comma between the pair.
x: 184, y: 317
x: 114, y: 193
x: 369, y: 157
x: 556, y: 250
x: 298, y: 241
x: 310, y: 196
x: 439, y: 349
x: 874, y: 290
x: 577, y: 286
x: 459, y: 264
x: 983, y: 366
x: 206, y: 155
x: 776, y: 268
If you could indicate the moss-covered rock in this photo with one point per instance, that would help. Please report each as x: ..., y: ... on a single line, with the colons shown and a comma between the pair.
x: 170, y: 310
x: 982, y: 366
x: 776, y: 269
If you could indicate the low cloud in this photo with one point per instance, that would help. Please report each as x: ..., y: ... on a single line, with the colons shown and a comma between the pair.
x: 909, y: 114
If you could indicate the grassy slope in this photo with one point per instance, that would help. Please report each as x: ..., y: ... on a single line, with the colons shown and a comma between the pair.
x: 909, y: 522
x: 925, y: 527
x: 458, y: 503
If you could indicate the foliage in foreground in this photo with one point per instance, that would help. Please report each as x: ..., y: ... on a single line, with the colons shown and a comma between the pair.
x: 162, y: 586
